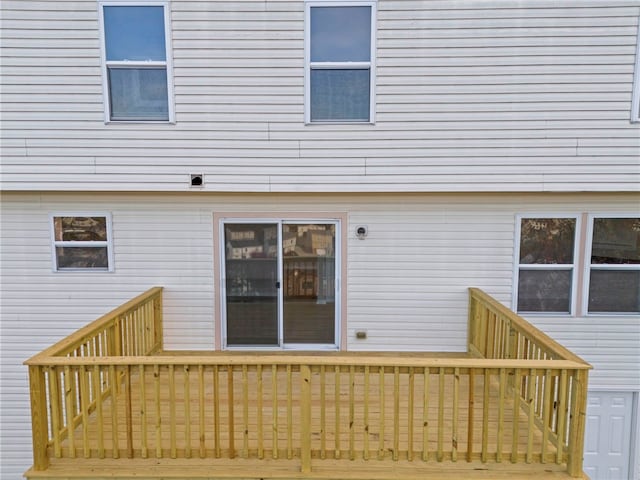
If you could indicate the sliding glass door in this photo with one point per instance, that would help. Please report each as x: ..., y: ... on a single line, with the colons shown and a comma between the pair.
x: 280, y: 282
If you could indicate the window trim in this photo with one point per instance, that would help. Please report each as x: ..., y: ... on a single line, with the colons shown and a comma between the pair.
x: 308, y: 65
x: 71, y: 244
x: 635, y: 99
x: 608, y: 266
x: 167, y: 64
x: 574, y: 266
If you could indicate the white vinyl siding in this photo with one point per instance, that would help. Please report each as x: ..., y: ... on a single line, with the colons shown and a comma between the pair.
x: 635, y: 101
x: 470, y: 96
x: 406, y: 282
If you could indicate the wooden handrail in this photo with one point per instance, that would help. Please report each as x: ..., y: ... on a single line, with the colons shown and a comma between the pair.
x: 61, y: 396
x: 497, y: 333
x: 88, y: 331
x: 525, y: 328
x: 338, y: 360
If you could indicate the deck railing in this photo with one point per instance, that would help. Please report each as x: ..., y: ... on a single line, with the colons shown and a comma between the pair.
x: 88, y: 402
x: 63, y: 396
x: 555, y: 404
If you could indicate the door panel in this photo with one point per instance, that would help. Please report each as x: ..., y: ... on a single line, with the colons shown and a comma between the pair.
x: 309, y: 283
x: 608, y: 435
x: 251, y: 269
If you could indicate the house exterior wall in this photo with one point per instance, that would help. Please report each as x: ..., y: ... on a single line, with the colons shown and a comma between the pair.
x: 406, y: 282
x: 484, y: 110
x: 535, y: 95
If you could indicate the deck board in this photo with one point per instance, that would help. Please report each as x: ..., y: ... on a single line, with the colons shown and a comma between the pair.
x: 252, y: 469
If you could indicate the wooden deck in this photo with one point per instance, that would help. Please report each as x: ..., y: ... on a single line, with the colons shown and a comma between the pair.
x: 330, y: 415
x: 283, y: 469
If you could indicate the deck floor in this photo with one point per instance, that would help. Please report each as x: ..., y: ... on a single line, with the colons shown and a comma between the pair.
x: 240, y: 434
x: 252, y: 469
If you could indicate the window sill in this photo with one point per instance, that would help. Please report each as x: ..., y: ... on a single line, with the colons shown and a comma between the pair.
x: 138, y: 122
x: 331, y: 123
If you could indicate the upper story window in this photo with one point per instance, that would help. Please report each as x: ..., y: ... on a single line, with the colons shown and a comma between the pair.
x: 546, y: 264
x: 340, y: 62
x: 81, y: 243
x: 136, y: 61
x: 614, y: 266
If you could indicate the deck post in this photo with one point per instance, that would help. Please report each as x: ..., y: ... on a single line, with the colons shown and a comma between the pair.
x: 578, y: 421
x: 471, y: 322
x: 305, y: 416
x: 39, y: 428
x: 157, y: 325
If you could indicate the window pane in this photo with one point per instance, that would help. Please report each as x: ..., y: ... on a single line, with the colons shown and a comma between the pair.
x: 340, y: 95
x: 616, y: 241
x: 138, y: 94
x: 544, y: 291
x: 134, y: 33
x: 82, y: 257
x: 614, y: 291
x: 340, y: 34
x: 80, y: 229
x: 547, y: 240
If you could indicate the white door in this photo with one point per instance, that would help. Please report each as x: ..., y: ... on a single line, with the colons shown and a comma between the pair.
x: 608, y: 435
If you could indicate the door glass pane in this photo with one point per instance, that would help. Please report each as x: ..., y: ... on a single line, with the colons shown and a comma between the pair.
x: 251, y: 267
x: 309, y: 283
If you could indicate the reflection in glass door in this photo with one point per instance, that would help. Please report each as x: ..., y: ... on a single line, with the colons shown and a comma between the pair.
x: 251, y: 271
x: 280, y: 284
x: 309, y: 283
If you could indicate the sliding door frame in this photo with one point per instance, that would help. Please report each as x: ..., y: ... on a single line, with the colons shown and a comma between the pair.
x: 280, y: 219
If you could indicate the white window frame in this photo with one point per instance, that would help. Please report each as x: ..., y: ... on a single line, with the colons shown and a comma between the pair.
x: 72, y: 244
x: 308, y: 65
x: 635, y: 100
x: 526, y: 266
x: 588, y: 266
x: 167, y: 64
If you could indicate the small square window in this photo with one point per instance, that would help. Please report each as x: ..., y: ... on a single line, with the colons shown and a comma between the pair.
x: 614, y: 267
x: 82, y: 243
x: 546, y: 265
x: 136, y: 62
x: 340, y: 62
